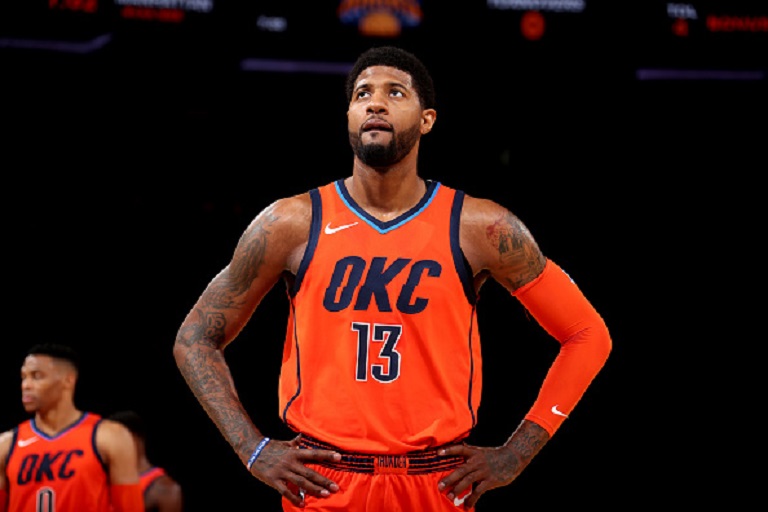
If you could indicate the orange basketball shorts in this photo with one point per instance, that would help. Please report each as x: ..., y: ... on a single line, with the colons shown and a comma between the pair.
x: 383, y: 483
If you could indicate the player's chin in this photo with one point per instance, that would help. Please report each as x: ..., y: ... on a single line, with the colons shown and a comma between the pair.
x: 376, y: 136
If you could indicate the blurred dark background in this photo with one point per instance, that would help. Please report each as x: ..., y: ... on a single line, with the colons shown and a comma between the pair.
x: 141, y: 137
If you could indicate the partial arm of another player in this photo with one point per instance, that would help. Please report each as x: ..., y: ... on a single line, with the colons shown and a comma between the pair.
x: 272, y: 244
x: 164, y: 495
x: 116, y: 446
x: 496, y: 242
x: 5, y: 448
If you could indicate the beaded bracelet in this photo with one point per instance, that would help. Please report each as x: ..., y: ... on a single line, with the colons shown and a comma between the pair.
x: 257, y: 452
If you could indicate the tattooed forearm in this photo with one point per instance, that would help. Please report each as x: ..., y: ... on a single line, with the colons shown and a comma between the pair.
x: 214, y: 321
x: 528, y: 440
x: 208, y: 376
x: 205, y: 370
x: 522, y: 446
x: 204, y: 329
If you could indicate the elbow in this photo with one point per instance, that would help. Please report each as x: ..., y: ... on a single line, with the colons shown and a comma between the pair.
x: 181, y: 350
x: 602, y: 343
x: 606, y: 342
x: 605, y: 348
x: 592, y: 341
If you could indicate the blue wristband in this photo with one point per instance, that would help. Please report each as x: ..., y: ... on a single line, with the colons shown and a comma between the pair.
x: 257, y: 452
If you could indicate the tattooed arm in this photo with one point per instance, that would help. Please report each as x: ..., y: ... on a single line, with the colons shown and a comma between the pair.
x: 498, y: 245
x: 273, y: 243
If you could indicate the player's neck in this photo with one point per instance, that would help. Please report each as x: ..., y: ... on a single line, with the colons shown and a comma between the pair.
x: 385, y: 194
x: 55, y: 420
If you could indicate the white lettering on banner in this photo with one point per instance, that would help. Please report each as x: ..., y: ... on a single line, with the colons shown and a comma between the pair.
x: 184, y: 5
x: 539, y: 5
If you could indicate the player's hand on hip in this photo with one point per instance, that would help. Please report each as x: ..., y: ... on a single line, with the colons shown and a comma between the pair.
x: 483, y: 469
x: 282, y: 465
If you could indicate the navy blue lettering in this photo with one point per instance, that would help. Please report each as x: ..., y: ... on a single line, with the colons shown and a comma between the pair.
x: 28, y: 465
x: 51, y: 467
x: 348, y: 274
x: 405, y: 302
x: 45, y: 471
x: 64, y: 471
x: 376, y: 283
x: 356, y: 266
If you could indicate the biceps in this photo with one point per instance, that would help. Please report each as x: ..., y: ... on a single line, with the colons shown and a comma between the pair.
x: 123, y: 468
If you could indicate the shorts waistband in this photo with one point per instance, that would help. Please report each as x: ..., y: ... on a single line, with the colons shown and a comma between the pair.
x: 411, y: 463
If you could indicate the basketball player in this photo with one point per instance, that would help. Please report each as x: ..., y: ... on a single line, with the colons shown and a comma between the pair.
x: 64, y: 459
x: 382, y: 372
x: 161, y: 492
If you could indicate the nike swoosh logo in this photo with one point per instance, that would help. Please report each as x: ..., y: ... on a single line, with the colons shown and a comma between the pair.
x: 26, y: 442
x: 460, y: 501
x: 329, y: 230
x: 559, y: 413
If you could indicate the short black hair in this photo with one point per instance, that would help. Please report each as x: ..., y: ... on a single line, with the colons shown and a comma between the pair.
x: 132, y: 420
x: 397, y: 58
x: 56, y: 351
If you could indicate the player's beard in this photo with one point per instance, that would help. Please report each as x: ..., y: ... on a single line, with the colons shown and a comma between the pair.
x: 385, y: 155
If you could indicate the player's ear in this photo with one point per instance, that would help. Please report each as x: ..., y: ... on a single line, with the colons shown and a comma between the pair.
x: 428, y: 118
x: 70, y: 379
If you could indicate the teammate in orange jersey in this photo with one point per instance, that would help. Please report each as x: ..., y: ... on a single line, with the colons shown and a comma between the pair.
x: 381, y: 375
x: 64, y: 459
x: 161, y: 492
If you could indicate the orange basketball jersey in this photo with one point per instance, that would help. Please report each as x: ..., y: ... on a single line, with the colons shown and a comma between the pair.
x: 61, y: 473
x: 382, y: 352
x: 147, y: 478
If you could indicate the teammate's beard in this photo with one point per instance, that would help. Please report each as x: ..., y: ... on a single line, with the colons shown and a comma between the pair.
x: 380, y: 155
